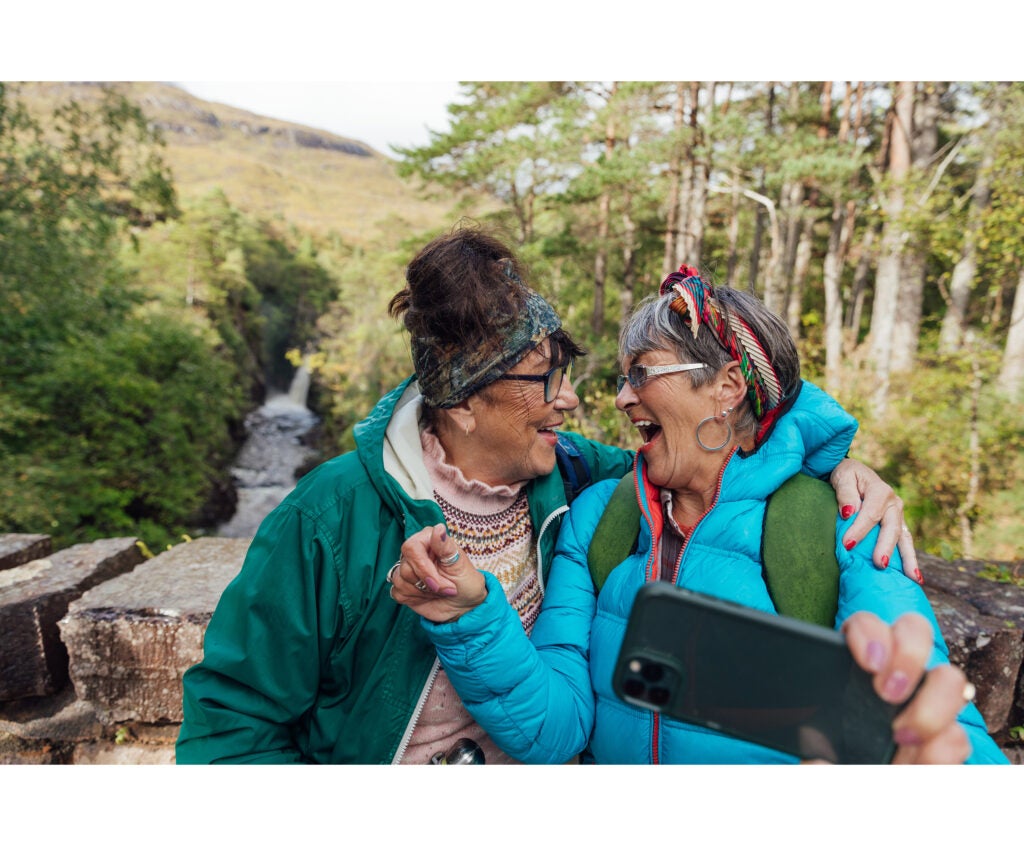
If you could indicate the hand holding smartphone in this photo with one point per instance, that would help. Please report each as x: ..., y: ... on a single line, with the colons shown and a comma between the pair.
x: 775, y: 681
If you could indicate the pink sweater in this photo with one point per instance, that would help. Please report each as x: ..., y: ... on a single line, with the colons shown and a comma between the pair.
x: 492, y: 524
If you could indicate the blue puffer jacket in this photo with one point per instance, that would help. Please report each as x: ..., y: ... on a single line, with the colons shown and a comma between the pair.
x: 543, y: 700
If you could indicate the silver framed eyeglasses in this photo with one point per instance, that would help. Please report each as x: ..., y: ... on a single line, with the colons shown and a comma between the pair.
x: 552, y: 379
x: 639, y: 374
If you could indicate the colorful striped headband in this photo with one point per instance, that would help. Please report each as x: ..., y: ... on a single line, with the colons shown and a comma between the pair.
x: 695, y: 302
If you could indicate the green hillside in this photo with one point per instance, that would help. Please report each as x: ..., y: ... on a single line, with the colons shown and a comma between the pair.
x: 268, y: 168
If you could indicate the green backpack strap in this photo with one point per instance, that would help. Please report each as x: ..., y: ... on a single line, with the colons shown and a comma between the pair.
x: 798, y: 548
x: 616, y: 531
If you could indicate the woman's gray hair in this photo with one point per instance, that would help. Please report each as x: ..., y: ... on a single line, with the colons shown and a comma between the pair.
x: 653, y: 326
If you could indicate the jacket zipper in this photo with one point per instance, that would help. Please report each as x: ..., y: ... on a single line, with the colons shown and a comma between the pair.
x: 656, y: 722
x: 540, y: 557
x: 415, y: 718
x: 417, y: 711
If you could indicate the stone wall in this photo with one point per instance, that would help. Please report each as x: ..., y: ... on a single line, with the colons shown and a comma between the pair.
x: 96, y: 639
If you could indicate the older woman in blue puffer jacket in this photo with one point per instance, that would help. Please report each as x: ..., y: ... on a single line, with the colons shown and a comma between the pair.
x: 710, y: 374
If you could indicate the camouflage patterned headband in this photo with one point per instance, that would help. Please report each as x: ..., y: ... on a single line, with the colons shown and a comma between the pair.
x: 449, y: 373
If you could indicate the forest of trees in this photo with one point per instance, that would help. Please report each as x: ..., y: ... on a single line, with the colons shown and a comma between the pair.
x: 881, y: 219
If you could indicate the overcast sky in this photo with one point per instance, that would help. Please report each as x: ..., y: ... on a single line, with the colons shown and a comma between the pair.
x: 376, y: 113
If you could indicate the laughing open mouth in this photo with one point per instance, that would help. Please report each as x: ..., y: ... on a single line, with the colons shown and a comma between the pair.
x: 648, y: 430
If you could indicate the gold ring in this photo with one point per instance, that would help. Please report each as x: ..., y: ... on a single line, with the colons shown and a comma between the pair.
x: 451, y: 559
x: 390, y: 578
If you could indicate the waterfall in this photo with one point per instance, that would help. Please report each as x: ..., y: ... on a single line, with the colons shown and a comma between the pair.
x: 298, y: 391
x: 264, y: 472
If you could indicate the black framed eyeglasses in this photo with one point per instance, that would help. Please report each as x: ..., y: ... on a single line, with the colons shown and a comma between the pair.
x: 639, y: 374
x: 552, y: 379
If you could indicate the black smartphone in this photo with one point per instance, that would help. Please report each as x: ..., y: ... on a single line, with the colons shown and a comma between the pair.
x: 775, y: 681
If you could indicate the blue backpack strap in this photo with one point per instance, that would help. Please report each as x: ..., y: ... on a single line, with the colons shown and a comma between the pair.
x: 573, y: 467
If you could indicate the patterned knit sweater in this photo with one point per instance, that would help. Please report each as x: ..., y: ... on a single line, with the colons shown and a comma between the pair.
x: 492, y: 524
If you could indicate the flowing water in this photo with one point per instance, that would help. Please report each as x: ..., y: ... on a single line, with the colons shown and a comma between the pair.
x: 264, y: 472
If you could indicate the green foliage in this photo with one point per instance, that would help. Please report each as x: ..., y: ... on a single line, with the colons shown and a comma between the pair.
x: 1002, y: 573
x: 255, y: 288
x: 924, y: 448
x: 115, y: 415
x: 129, y: 430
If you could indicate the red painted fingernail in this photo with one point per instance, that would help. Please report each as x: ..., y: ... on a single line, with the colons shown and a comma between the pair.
x: 846, y: 511
x: 849, y: 544
x: 444, y: 534
x: 918, y: 577
x: 885, y: 561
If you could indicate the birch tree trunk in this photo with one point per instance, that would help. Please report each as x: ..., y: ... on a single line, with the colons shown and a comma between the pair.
x: 778, y: 284
x: 835, y: 257
x: 629, y: 255
x: 1011, y: 375
x: 955, y: 319
x: 907, y: 323
x: 887, y: 278
x: 967, y: 512
x: 675, y: 175
x: 860, y: 283
x: 695, y: 185
x: 604, y: 215
x: 755, y: 251
x: 734, y: 231
x: 796, y: 290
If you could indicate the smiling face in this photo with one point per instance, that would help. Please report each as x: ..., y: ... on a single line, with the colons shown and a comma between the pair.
x: 511, y: 435
x: 666, y: 411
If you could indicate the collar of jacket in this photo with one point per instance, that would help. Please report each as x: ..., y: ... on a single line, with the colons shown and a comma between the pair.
x: 388, y: 445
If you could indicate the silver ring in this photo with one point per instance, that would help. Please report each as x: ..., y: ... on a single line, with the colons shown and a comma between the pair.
x: 390, y: 578
x: 451, y: 559
x: 421, y: 585
x: 391, y: 591
x: 906, y: 528
x: 969, y: 692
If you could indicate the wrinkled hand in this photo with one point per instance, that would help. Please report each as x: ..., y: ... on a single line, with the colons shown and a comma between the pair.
x: 926, y: 731
x: 860, y: 489
x: 435, y: 578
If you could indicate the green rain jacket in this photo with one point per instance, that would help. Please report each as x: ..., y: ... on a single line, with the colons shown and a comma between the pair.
x: 307, y: 659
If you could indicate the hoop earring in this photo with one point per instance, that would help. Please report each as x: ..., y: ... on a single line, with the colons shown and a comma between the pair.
x: 721, y: 421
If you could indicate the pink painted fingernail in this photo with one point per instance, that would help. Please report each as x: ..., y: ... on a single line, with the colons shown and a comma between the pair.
x: 885, y: 561
x: 849, y: 544
x: 431, y: 584
x: 444, y: 534
x: 449, y: 592
x: 906, y: 737
x: 876, y: 656
x: 895, y: 686
x: 847, y: 511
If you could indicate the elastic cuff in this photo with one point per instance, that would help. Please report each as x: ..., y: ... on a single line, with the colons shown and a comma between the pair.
x: 484, y: 616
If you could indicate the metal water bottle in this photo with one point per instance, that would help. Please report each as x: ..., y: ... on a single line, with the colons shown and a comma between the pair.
x: 465, y: 751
